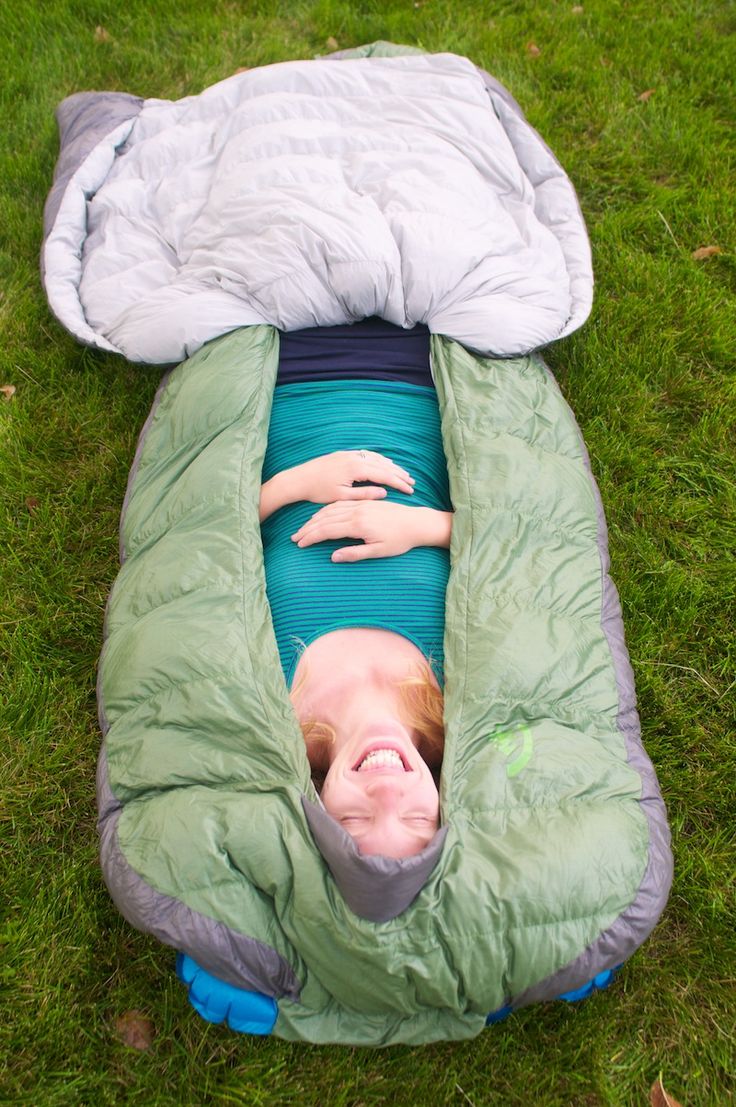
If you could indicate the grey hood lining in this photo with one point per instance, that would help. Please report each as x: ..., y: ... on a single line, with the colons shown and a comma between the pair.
x: 375, y: 888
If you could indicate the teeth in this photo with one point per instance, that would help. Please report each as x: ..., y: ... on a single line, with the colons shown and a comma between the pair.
x: 380, y: 758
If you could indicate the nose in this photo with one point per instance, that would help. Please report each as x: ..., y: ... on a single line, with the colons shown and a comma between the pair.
x: 386, y: 785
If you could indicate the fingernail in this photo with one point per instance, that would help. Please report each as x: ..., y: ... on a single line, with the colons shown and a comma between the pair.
x: 337, y: 557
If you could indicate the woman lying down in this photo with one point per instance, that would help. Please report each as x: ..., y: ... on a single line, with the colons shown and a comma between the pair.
x: 357, y: 586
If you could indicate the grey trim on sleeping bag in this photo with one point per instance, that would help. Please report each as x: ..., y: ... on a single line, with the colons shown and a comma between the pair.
x: 102, y: 719
x: 632, y: 927
x: 92, y: 125
x: 83, y: 119
x: 233, y: 957
x: 376, y: 888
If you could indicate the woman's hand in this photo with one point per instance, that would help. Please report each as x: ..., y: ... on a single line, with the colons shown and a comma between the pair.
x: 323, y: 480
x: 387, y: 529
x: 332, y: 477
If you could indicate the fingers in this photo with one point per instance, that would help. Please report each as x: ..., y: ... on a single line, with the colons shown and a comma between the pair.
x: 389, y: 474
x: 382, y: 470
x: 359, y: 553
x: 337, y: 520
x: 350, y: 492
x: 381, y: 526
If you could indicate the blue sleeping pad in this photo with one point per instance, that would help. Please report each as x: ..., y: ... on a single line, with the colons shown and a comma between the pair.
x: 255, y: 1013
x: 216, y: 1001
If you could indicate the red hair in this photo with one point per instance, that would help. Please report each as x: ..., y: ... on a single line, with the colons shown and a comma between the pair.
x: 421, y: 707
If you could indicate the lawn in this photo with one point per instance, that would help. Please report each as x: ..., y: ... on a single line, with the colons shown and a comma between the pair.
x: 637, y: 101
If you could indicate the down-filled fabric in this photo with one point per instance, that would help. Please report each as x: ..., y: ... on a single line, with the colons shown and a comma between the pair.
x: 554, y: 863
x: 309, y: 193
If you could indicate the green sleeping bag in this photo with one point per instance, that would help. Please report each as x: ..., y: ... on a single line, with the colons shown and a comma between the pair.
x: 553, y: 863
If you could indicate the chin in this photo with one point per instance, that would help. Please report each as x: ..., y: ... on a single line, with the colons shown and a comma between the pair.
x: 394, y: 852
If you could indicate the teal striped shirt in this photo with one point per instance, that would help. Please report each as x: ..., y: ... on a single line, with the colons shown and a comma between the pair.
x: 310, y: 595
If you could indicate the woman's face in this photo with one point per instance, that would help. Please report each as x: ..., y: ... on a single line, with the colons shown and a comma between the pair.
x: 382, y: 792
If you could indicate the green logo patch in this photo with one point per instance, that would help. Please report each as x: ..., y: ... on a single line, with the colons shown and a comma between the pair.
x: 517, y: 746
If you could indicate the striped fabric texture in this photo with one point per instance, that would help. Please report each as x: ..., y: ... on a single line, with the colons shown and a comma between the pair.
x: 308, y: 593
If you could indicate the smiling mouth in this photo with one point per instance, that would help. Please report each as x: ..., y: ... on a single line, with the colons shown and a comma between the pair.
x: 386, y: 758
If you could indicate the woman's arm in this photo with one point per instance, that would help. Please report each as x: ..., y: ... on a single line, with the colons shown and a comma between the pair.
x: 280, y: 490
x: 330, y: 478
x: 387, y: 529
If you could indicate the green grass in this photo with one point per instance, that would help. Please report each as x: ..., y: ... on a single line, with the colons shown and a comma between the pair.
x: 651, y: 380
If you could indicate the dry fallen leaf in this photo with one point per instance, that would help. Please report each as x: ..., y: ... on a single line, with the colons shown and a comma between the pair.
x: 332, y: 43
x: 135, y: 1030
x: 606, y: 62
x: 7, y: 390
x: 32, y: 503
x: 658, y: 1097
x: 706, y: 252
x: 644, y: 96
x: 533, y: 50
x: 101, y: 35
x: 577, y: 10
x: 243, y: 69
